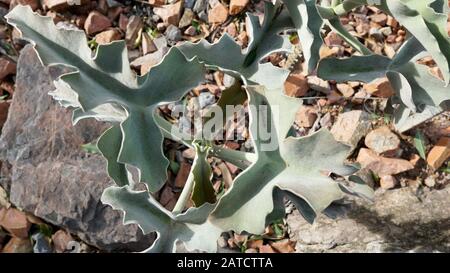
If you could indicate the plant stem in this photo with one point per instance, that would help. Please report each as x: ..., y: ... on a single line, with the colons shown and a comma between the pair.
x: 241, y: 159
x: 185, y: 194
x: 334, y: 3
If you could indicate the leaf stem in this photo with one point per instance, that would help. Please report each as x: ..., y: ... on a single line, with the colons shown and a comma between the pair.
x: 185, y: 193
x: 334, y: 3
x: 241, y: 159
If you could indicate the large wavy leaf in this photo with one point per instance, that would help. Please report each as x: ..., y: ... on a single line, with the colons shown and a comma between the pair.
x: 190, y: 228
x: 296, y: 166
x: 108, y: 79
x: 264, y: 39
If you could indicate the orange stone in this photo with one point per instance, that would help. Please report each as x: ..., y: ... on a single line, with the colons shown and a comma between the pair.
x: 296, y: 85
x: 16, y: 223
x: 380, y: 88
x: 236, y: 6
x: 96, y: 22
x: 439, y: 153
x: 218, y: 14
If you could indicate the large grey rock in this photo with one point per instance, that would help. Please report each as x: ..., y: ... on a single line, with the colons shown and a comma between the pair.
x: 400, y: 220
x: 46, y: 171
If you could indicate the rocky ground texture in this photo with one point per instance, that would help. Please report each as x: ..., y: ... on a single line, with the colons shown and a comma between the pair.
x: 52, y: 175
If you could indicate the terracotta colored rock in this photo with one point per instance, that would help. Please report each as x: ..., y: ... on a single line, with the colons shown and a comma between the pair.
x: 7, y: 86
x: 333, y: 39
x: 379, y: 18
x: 186, y: 19
x: 148, y: 46
x: 388, y: 182
x: 255, y: 243
x: 102, y: 6
x: 4, y: 106
x: 382, y: 166
x: 242, y: 38
x: 380, y: 88
x: 170, y: 14
x: 218, y: 14
x: 182, y: 174
x: 283, y: 246
x: 188, y: 153
x: 34, y: 4
x: 108, y: 36
x: 318, y: 84
x: 306, y: 116
x: 146, y: 62
x: 391, y: 22
x: 18, y: 245
x: 389, y: 51
x: 231, y: 29
x: 123, y: 22
x: 80, y: 20
x: 333, y: 97
x: 16, y: 223
x: 345, y: 89
x: 351, y: 126
x: 296, y: 85
x: 231, y: 167
x: 239, y: 239
x: 232, y: 145
x: 157, y: 2
x: 61, y: 240
x: 55, y: 16
x: 114, y: 13
x: 439, y: 153
x: 382, y: 141
x: 414, y: 159
x: 167, y: 195
x: 134, y: 26
x: 2, y: 213
x: 266, y: 249
x: 55, y: 5
x: 33, y: 219
x: 326, y: 52
x: 96, y: 22
x: 7, y: 67
x: 236, y: 6
x: 190, y: 31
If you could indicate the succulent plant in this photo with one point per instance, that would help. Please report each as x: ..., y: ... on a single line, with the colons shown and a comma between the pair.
x: 301, y: 169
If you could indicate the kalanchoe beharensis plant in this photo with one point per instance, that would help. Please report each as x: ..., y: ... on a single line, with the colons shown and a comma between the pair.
x: 309, y: 171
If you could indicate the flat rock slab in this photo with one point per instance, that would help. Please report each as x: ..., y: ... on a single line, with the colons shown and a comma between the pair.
x: 47, y: 172
x: 400, y: 220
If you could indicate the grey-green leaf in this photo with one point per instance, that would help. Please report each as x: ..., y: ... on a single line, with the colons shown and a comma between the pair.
x: 108, y: 79
x: 297, y: 166
x: 308, y: 23
x: 227, y: 55
x: 355, y: 68
x: 428, y: 26
x: 191, y: 228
